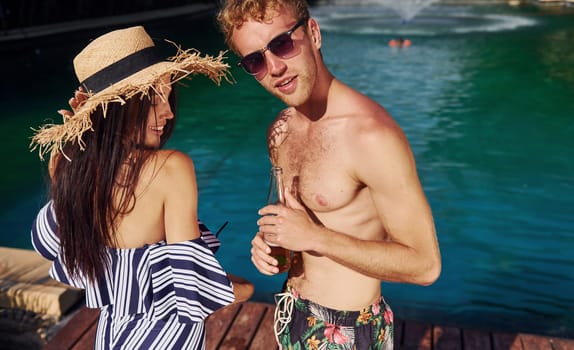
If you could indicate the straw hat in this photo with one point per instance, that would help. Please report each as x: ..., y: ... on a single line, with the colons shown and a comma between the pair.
x: 113, y: 68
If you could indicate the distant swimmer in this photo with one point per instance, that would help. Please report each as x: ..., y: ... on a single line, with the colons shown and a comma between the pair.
x: 400, y: 42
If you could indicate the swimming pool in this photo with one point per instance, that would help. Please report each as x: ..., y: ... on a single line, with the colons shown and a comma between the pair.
x: 484, y: 95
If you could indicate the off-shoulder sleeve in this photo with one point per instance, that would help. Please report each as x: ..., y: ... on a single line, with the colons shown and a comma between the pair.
x: 208, y: 237
x: 188, y: 279
x: 47, y: 243
x: 44, y: 237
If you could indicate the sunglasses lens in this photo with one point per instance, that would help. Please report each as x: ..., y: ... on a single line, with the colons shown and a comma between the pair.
x: 281, y: 46
x: 253, y: 63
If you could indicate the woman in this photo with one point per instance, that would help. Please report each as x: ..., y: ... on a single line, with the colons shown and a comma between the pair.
x: 122, y: 220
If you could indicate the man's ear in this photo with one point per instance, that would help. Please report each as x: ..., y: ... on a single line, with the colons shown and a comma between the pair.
x: 315, y: 32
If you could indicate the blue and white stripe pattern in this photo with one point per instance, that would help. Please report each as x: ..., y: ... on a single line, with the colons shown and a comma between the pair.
x: 153, y: 297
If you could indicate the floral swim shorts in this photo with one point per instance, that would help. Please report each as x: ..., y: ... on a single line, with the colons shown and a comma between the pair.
x: 301, y: 324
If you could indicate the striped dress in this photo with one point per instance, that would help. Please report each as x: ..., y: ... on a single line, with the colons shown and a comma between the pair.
x: 153, y: 297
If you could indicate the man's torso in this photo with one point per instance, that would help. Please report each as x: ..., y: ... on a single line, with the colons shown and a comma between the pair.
x: 319, y: 169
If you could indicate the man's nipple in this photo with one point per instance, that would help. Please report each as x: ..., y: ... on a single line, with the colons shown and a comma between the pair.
x: 319, y: 199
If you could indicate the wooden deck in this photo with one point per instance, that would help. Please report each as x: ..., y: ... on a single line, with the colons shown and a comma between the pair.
x: 249, y: 326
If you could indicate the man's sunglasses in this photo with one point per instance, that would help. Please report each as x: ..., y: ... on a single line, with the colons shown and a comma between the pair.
x: 281, y: 46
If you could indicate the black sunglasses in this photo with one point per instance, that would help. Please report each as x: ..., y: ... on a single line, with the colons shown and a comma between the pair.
x: 281, y: 46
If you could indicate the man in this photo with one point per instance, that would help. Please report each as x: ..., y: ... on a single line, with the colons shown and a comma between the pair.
x: 356, y: 212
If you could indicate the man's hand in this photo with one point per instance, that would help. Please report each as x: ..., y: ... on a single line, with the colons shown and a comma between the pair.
x: 265, y: 263
x: 288, y: 226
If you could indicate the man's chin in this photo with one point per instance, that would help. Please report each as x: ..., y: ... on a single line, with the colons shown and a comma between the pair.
x: 292, y: 100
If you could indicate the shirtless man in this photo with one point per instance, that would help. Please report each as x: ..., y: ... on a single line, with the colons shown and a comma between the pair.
x: 356, y: 212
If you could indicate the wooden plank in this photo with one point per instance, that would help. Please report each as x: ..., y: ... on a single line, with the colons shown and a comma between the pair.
x: 476, y: 340
x: 446, y: 338
x: 217, y: 325
x: 535, y: 342
x: 76, y: 327
x: 562, y: 344
x: 506, y: 341
x: 249, y: 326
x: 245, y: 323
x: 88, y: 339
x: 265, y: 336
x: 417, y: 335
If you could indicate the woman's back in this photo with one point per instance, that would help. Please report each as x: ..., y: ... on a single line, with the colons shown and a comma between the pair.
x: 166, y: 203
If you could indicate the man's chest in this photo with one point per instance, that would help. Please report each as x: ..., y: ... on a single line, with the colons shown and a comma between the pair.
x: 318, y: 172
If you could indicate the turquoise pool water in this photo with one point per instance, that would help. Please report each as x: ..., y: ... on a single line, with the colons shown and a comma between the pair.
x: 485, y: 95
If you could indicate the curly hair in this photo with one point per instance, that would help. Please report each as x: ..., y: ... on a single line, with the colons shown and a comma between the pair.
x: 233, y: 13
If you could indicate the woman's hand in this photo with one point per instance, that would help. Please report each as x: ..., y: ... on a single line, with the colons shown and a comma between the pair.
x: 75, y: 102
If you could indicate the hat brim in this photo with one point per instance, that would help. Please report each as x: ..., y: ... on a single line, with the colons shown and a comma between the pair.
x: 52, y: 137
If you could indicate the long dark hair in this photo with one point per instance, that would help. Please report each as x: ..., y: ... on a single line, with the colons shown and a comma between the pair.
x: 97, y: 185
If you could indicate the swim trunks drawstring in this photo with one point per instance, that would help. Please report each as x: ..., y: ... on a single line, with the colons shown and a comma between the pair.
x: 283, y: 312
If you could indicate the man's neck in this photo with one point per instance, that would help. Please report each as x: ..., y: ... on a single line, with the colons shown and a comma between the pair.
x: 316, y: 106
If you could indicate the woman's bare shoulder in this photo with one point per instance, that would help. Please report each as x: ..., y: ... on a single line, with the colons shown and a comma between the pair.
x: 171, y: 160
x: 169, y: 167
